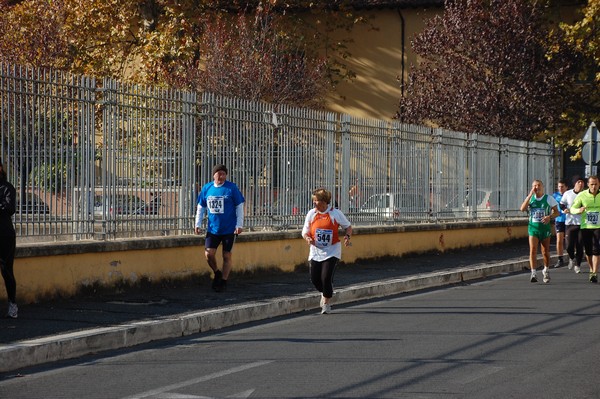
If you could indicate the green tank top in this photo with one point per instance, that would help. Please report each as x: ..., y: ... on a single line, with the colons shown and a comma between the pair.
x: 537, y: 210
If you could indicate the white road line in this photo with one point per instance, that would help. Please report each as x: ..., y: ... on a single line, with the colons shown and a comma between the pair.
x: 182, y: 384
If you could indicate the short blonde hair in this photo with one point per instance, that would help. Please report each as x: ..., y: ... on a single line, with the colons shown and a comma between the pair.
x: 320, y: 194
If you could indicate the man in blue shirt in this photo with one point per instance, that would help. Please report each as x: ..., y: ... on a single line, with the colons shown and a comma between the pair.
x: 223, y: 203
x: 559, y: 223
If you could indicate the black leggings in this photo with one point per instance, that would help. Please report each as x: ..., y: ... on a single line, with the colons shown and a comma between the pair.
x: 574, y: 241
x: 7, y: 258
x: 321, y: 275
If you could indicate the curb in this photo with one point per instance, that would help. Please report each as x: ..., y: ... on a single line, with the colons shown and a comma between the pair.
x: 75, y: 344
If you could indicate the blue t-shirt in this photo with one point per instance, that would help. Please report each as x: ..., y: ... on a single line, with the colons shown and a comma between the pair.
x: 220, y: 203
x: 562, y: 217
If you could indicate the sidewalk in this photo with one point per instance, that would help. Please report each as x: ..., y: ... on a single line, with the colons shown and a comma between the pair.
x: 64, y: 329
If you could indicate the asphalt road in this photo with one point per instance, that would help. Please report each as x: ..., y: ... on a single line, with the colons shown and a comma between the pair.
x: 497, y: 338
x: 118, y: 305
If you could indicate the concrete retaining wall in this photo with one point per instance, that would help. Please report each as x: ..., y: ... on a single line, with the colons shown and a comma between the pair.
x: 61, y: 269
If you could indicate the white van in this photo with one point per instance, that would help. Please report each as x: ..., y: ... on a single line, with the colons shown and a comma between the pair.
x: 395, y: 205
x: 486, y: 200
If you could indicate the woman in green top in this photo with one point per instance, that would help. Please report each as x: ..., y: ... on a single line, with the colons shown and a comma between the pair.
x: 542, y: 208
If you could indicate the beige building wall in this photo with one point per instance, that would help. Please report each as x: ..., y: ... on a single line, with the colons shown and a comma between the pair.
x: 377, y: 58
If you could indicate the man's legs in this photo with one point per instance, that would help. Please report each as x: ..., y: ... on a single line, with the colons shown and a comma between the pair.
x: 212, y: 242
x: 571, y: 238
x: 594, y: 268
x: 589, y: 246
x: 226, y: 264
x: 546, y: 257
x: 228, y: 242
x: 560, y: 247
x: 579, y: 247
x: 211, y: 259
x: 533, y: 245
x: 546, y: 251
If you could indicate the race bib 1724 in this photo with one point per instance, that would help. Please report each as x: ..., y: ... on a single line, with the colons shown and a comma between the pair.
x: 216, y: 204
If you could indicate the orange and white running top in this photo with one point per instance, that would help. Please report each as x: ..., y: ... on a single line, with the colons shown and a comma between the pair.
x: 323, y: 228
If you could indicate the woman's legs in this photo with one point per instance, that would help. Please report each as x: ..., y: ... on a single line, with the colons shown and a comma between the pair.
x: 7, y: 258
x: 321, y: 275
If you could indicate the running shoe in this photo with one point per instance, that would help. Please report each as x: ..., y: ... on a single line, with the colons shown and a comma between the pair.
x: 593, y: 278
x: 577, y: 269
x: 326, y: 308
x: 559, y: 263
x: 216, y: 283
x: 13, y: 310
x: 546, y: 275
x: 571, y: 263
x: 533, y: 277
x: 222, y: 286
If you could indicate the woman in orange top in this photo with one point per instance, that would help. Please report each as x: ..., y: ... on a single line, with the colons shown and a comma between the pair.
x: 321, y: 233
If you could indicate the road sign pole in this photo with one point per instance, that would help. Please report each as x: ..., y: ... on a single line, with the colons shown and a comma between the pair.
x: 590, y: 152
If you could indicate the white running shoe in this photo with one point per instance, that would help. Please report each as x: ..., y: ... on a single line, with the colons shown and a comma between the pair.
x: 577, y: 269
x: 13, y: 310
x: 571, y: 263
x: 326, y: 308
x: 546, y: 275
x: 533, y: 278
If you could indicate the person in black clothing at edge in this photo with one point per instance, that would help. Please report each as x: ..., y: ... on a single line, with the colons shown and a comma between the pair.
x: 8, y: 240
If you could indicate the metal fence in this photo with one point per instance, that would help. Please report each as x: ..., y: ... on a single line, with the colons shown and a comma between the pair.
x: 104, y: 160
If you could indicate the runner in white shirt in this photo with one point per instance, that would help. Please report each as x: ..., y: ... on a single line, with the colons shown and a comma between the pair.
x: 573, y: 236
x: 320, y: 231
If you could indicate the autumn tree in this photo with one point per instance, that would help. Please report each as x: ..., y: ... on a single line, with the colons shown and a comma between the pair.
x: 31, y: 34
x: 253, y: 56
x: 583, y: 38
x: 484, y: 69
x: 256, y: 49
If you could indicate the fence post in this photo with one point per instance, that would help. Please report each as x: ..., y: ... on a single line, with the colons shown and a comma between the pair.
x: 344, y: 174
x: 472, y: 147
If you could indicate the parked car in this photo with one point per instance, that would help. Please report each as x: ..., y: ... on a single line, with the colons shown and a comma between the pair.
x: 118, y: 204
x: 486, y: 200
x: 151, y: 207
x: 32, y: 205
x: 395, y: 205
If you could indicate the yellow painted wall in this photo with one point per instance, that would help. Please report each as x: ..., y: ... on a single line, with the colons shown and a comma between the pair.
x: 51, y: 270
x: 376, y: 57
x: 377, y: 61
